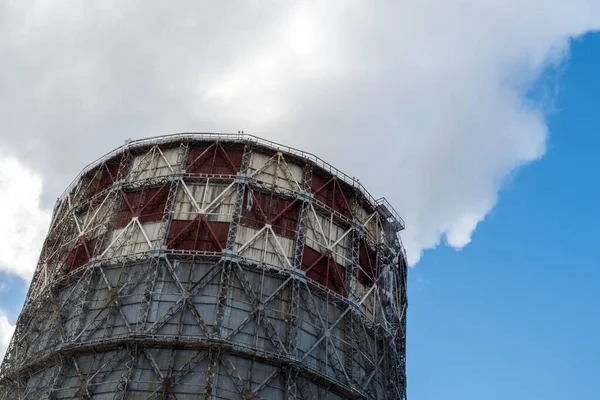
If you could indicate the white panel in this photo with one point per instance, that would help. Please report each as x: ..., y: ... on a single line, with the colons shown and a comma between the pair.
x: 204, y: 195
x: 333, y: 232
x: 154, y: 165
x: 152, y: 229
x: 375, y: 231
x: 368, y: 305
x: 360, y: 214
x: 183, y: 207
x: 137, y: 242
x: 223, y: 209
x: 274, y: 173
x: 262, y: 250
x: 171, y: 155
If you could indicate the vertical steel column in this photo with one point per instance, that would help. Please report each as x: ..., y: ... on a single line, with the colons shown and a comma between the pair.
x: 55, y: 379
x: 83, y: 301
x: 306, y: 197
x: 177, y: 177
x: 352, y: 323
x: 162, y: 238
x: 227, y: 263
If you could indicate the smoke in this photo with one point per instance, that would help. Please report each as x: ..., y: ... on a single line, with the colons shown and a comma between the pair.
x: 425, y: 101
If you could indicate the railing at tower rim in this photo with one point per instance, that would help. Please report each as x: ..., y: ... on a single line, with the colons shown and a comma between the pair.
x: 240, y: 137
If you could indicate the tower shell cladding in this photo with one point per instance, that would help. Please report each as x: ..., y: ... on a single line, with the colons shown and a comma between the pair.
x: 218, y: 267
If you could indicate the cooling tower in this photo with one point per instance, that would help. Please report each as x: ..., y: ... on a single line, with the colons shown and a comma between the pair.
x: 205, y: 266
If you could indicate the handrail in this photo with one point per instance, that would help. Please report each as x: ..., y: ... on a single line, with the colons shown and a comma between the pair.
x: 239, y: 137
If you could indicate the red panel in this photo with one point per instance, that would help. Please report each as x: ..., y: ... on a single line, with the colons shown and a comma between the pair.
x: 254, y: 216
x: 80, y: 255
x: 324, y: 270
x: 369, y: 263
x: 102, y: 178
x: 329, y: 191
x: 214, y: 159
x: 147, y: 204
x: 197, y: 235
x: 282, y: 214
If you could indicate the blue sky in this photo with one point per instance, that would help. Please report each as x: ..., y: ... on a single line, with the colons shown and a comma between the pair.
x: 514, y: 315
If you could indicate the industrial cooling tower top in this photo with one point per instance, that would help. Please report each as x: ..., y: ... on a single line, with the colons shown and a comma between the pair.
x: 217, y: 267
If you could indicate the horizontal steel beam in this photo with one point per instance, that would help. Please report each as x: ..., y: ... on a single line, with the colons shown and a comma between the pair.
x: 184, y: 343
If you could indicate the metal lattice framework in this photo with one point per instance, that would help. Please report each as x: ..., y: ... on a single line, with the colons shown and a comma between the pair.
x: 214, y: 266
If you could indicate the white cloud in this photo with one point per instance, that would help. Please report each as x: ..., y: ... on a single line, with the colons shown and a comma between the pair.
x: 424, y: 100
x: 6, y: 331
x: 24, y: 221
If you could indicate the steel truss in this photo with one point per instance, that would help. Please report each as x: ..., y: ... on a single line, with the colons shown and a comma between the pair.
x: 140, y: 293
